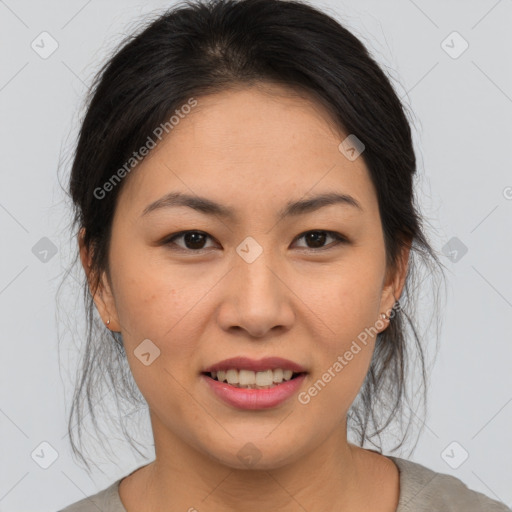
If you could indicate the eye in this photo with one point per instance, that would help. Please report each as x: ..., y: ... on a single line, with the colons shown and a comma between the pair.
x: 318, y: 237
x: 194, y: 240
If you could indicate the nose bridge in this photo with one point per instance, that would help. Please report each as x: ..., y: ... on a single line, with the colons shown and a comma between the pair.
x: 259, y: 298
x: 257, y: 279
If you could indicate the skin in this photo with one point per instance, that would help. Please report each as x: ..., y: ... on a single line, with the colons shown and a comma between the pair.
x: 253, y: 149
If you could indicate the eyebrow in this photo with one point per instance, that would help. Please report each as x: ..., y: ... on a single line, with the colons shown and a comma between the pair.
x: 209, y: 207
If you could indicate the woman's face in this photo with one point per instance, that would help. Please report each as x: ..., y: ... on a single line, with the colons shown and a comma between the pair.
x: 250, y: 284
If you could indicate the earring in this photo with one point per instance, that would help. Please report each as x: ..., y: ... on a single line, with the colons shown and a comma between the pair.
x: 384, y: 316
x: 108, y: 322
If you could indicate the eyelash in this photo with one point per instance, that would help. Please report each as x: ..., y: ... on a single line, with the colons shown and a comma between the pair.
x: 340, y: 239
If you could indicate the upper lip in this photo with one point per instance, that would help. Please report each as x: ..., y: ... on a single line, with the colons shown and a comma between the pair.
x: 256, y: 365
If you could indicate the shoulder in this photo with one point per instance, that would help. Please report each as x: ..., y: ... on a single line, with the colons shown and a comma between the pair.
x: 106, y: 500
x: 422, y: 490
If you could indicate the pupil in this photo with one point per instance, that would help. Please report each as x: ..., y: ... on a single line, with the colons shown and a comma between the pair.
x: 194, y: 238
x: 316, y: 237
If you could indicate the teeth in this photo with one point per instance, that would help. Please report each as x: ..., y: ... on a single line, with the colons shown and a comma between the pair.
x: 246, y: 378
x: 232, y: 376
x: 265, y: 378
x: 250, y: 379
x: 278, y: 375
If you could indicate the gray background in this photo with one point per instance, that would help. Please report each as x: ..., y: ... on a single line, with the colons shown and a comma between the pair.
x: 462, y: 108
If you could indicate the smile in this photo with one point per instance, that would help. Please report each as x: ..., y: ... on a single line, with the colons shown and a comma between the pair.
x: 253, y: 396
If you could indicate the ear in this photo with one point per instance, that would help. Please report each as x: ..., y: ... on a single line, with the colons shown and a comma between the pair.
x: 100, y: 288
x: 395, y: 280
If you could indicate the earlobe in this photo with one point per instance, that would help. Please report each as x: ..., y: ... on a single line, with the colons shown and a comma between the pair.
x: 105, y: 304
x: 395, y: 284
x: 99, y: 287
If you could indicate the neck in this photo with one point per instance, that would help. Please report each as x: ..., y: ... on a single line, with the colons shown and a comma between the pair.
x: 331, y: 476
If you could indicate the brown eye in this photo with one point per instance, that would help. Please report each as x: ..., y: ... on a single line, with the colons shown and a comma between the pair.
x: 317, y: 238
x: 193, y: 240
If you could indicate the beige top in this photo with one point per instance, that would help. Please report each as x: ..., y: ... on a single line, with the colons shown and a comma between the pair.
x: 421, y: 490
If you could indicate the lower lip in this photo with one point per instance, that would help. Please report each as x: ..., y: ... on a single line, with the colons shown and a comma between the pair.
x: 244, y: 398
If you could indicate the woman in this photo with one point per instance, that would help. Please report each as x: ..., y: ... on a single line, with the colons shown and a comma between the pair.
x: 243, y: 185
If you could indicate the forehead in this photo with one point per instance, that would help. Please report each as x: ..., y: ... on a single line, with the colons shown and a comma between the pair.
x: 249, y: 143
x: 261, y: 117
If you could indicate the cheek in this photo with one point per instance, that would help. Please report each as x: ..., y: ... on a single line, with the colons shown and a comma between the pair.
x: 348, y: 302
x: 155, y: 301
x: 154, y: 304
x: 348, y: 305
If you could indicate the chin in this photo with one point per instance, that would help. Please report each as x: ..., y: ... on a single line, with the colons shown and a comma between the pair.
x: 258, y: 455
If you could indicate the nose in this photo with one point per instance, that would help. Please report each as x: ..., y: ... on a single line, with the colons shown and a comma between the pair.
x: 257, y: 299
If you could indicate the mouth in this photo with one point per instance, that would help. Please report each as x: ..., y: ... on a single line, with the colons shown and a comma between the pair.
x: 252, y: 390
x: 248, y: 379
